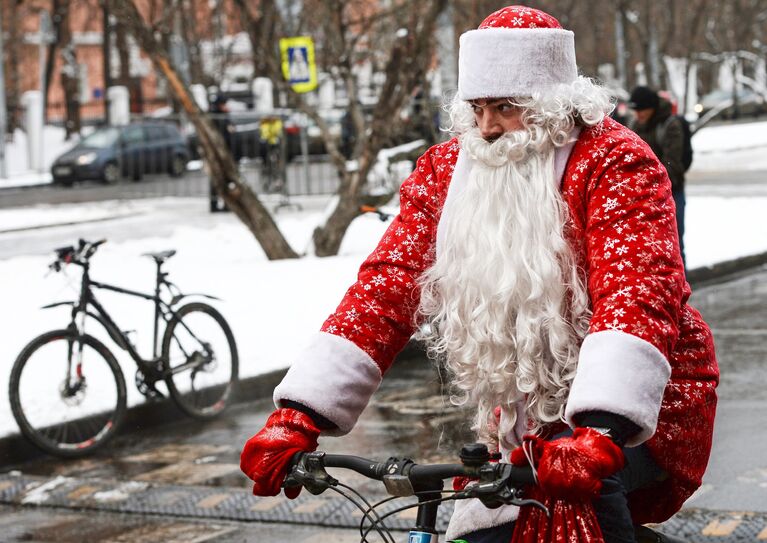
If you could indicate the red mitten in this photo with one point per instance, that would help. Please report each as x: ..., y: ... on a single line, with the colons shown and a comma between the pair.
x: 266, y: 455
x: 573, y: 467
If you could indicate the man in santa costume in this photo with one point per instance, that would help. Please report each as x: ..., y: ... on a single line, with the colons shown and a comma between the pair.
x: 540, y: 246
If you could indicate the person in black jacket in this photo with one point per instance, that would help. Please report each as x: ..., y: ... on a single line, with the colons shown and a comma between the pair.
x: 664, y: 133
x: 220, y: 117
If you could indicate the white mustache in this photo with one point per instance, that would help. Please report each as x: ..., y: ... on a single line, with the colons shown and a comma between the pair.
x: 514, y: 146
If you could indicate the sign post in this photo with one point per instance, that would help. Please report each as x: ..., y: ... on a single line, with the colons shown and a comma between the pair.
x: 300, y: 70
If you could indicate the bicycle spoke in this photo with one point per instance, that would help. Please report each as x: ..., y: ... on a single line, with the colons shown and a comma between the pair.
x: 63, y: 412
x: 200, y: 360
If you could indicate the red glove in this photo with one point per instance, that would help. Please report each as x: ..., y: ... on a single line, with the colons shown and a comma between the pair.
x: 266, y: 455
x: 573, y: 467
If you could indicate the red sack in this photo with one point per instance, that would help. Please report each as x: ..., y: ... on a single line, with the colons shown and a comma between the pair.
x: 570, y: 469
x: 569, y: 521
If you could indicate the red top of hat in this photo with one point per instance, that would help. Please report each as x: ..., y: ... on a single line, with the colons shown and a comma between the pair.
x: 519, y: 17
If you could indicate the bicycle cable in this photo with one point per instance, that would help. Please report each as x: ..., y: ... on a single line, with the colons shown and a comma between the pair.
x: 372, y: 509
x: 410, y: 506
x: 373, y: 522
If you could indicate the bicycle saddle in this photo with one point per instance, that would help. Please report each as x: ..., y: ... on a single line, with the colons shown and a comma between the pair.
x: 161, y: 256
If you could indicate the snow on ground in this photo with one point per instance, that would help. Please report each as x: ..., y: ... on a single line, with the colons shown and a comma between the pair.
x: 730, y: 147
x: 49, y: 215
x: 272, y: 307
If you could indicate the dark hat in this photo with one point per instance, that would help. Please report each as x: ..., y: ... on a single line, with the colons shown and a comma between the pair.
x: 643, y: 98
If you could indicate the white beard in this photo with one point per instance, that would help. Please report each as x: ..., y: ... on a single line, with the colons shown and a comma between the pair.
x: 505, y: 299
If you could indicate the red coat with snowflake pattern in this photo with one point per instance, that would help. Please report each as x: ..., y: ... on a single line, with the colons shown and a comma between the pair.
x: 623, y: 231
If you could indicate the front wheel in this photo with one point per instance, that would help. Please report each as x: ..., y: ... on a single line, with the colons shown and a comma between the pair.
x: 177, y: 166
x: 67, y: 393
x: 111, y: 173
x: 200, y: 360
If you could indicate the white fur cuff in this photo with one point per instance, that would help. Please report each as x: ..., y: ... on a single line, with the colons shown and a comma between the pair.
x: 471, y: 515
x: 333, y: 377
x: 622, y: 374
x: 507, y: 62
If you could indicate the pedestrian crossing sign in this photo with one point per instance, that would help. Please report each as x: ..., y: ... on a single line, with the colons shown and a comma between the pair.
x: 298, y: 66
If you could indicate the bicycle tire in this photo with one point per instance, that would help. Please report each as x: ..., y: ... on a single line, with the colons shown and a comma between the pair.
x: 212, y: 398
x: 89, y: 430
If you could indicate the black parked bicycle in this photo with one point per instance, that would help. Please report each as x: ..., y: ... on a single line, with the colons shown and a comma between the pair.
x: 67, y: 390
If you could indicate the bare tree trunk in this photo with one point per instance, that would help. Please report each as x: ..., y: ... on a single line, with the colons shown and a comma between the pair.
x: 192, y: 39
x: 620, y: 46
x: 71, y: 84
x: 405, y: 68
x: 106, y: 54
x: 262, y: 33
x: 123, y: 54
x: 13, y: 80
x: 224, y: 173
x: 70, y: 80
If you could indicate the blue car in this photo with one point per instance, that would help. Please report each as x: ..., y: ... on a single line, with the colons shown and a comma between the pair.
x: 124, y: 151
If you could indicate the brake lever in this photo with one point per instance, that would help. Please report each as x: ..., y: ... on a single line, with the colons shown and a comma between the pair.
x: 495, y: 494
x: 309, y: 472
x: 534, y: 503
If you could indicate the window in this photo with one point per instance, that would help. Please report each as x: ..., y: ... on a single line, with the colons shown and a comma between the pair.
x: 155, y: 133
x: 133, y: 134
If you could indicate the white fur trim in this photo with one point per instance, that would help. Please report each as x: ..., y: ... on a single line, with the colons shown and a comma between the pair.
x: 471, y: 515
x: 460, y: 178
x: 333, y: 377
x: 506, y: 62
x: 622, y: 374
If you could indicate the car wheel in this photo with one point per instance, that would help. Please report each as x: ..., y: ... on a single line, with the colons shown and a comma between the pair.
x: 177, y: 166
x: 111, y: 173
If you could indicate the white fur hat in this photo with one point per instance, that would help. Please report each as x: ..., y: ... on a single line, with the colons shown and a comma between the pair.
x: 515, y: 51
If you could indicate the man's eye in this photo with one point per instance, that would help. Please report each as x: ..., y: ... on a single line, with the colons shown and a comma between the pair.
x: 505, y: 108
x: 475, y: 109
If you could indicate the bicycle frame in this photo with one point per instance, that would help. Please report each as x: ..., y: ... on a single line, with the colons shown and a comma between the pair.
x: 163, y: 310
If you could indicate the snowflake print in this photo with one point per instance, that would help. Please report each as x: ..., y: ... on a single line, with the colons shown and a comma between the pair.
x: 379, y: 280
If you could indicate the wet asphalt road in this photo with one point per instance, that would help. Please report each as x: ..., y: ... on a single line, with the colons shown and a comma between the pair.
x: 182, y: 480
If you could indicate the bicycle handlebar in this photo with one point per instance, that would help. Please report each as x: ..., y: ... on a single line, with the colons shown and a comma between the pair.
x: 75, y: 255
x: 497, y: 483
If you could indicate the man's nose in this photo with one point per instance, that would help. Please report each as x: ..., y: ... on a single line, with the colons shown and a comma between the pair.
x: 490, y: 127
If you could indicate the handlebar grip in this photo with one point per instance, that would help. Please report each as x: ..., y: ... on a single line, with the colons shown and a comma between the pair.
x: 522, y: 475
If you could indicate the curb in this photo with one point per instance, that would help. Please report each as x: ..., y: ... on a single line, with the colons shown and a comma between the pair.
x: 728, y: 269
x: 15, y: 449
x: 70, y: 223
